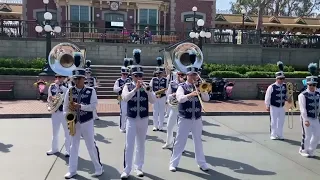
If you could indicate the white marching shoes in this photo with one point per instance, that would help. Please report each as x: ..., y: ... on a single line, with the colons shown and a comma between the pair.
x: 51, y: 152
x: 139, y: 173
x: 167, y: 146
x: 124, y: 175
x: 173, y: 169
x: 70, y: 175
x: 99, y: 173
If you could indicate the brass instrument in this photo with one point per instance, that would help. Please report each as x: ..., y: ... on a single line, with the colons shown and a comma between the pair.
x: 61, y: 61
x: 55, y: 103
x: 181, y: 60
x: 71, y: 115
x: 201, y: 102
x: 159, y: 92
x: 145, y: 86
x: 173, y: 102
x: 290, y: 97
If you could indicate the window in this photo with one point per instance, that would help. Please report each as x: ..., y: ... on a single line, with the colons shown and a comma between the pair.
x: 80, y: 18
x: 148, y: 17
x: 41, y: 20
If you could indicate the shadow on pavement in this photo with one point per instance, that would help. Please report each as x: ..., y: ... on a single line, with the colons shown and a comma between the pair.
x: 103, y: 123
x: 98, y: 137
x: 211, y: 174
x: 155, y: 138
x: 236, y: 166
x: 206, y: 123
x: 224, y: 137
x: 5, y: 147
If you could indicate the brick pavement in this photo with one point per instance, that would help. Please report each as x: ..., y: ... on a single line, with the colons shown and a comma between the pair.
x: 111, y: 106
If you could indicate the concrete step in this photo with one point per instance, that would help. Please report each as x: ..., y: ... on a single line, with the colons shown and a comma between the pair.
x: 107, y: 96
x: 108, y: 92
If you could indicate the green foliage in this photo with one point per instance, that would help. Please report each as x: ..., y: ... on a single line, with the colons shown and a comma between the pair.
x: 20, y: 71
x: 37, y: 63
x: 243, y: 69
x: 256, y: 74
x: 225, y: 74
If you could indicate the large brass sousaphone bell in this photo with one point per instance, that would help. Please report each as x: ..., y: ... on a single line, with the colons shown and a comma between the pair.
x: 61, y: 61
x: 182, y: 60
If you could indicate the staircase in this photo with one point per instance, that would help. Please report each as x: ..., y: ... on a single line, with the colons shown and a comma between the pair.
x: 107, y: 75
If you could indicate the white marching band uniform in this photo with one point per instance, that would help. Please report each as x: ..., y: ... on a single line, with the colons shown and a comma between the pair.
x: 160, y: 103
x: 275, y: 99
x: 189, y: 120
x: 87, y: 98
x: 173, y: 114
x: 137, y: 123
x: 309, y: 109
x: 91, y: 82
x: 58, y: 119
x: 118, y: 87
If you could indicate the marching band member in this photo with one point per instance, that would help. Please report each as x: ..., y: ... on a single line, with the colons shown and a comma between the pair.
x: 173, y: 111
x: 117, y: 87
x: 309, y: 109
x: 159, y: 83
x: 57, y: 118
x: 84, y: 103
x: 90, y: 81
x: 138, y: 95
x: 275, y: 100
x: 189, y: 119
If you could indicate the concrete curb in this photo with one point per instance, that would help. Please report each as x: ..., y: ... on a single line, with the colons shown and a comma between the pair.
x: 240, y: 113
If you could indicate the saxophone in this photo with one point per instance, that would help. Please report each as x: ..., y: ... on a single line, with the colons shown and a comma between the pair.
x: 71, y: 116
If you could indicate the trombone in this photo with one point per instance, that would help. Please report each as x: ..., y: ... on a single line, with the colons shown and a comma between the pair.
x: 199, y: 97
x: 293, y: 107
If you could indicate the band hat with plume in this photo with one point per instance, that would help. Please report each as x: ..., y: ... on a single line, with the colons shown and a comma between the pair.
x: 79, y: 71
x: 192, y: 70
x: 88, y: 63
x: 280, y: 73
x: 88, y: 70
x: 137, y: 69
x: 124, y: 68
x: 159, y: 69
x: 313, y: 79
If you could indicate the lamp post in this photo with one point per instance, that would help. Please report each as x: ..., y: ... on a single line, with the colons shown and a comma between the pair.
x: 194, y: 9
x: 48, y: 29
x: 243, y: 12
x: 199, y: 33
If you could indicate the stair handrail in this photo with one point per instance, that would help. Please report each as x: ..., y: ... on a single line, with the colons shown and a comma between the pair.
x: 174, y: 45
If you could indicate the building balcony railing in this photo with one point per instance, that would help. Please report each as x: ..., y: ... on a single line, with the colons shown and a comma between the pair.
x: 26, y: 29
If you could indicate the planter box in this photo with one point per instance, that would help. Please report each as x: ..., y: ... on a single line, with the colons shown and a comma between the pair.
x: 245, y: 88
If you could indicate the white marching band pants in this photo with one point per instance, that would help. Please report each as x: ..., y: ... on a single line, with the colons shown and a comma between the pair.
x: 136, y: 132
x: 172, y: 121
x: 184, y: 127
x: 310, y: 135
x: 87, y: 131
x: 158, y: 112
x: 57, y: 118
x: 123, y: 115
x: 277, y: 118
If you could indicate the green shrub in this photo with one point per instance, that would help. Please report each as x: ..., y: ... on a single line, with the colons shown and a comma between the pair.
x: 225, y: 74
x: 37, y: 63
x: 20, y: 71
x: 243, y: 69
x: 260, y: 74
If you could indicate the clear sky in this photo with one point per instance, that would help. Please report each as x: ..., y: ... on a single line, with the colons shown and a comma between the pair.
x: 224, y: 4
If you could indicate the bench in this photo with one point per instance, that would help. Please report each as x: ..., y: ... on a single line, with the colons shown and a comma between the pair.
x: 262, y: 89
x: 7, y: 87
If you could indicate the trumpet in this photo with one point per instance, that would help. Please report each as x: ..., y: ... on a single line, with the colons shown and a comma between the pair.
x: 145, y: 86
x: 159, y: 92
x: 71, y: 116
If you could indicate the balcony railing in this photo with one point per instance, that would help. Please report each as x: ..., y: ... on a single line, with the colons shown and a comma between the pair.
x: 26, y: 29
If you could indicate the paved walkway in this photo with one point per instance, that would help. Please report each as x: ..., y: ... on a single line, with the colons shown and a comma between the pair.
x: 34, y: 108
x: 236, y: 148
